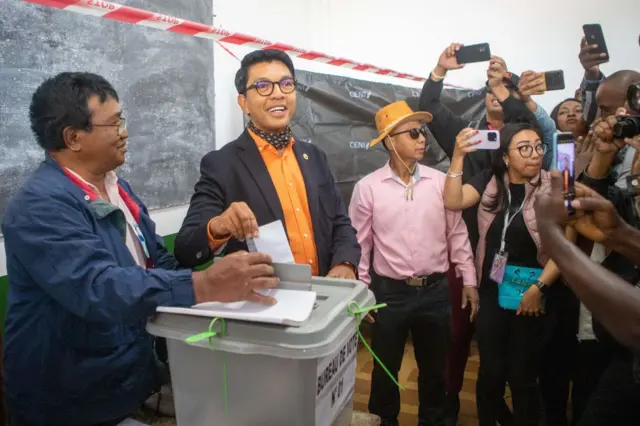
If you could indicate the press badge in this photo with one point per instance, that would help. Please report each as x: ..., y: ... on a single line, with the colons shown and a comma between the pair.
x: 498, y: 266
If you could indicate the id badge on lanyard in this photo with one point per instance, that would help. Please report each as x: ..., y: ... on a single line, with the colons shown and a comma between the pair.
x: 143, y: 242
x: 500, y: 259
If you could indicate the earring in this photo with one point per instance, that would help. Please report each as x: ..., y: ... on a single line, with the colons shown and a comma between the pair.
x: 506, y: 163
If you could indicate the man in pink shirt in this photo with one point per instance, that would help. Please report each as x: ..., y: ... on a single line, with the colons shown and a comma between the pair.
x: 400, y: 218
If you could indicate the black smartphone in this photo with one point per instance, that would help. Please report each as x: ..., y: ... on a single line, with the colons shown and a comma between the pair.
x: 594, y: 35
x: 473, y: 53
x: 564, y: 148
x: 554, y: 80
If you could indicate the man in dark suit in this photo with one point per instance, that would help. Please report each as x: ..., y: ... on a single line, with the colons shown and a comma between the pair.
x: 266, y: 175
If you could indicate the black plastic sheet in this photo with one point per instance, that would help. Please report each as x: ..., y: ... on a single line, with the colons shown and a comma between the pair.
x: 338, y: 115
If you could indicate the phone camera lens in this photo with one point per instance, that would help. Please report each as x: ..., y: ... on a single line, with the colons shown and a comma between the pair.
x: 492, y: 137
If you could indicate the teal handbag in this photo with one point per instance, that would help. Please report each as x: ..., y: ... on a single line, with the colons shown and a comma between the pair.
x: 516, y: 281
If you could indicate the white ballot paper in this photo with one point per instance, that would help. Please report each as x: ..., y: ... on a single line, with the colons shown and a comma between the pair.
x: 272, y: 241
x: 293, y: 308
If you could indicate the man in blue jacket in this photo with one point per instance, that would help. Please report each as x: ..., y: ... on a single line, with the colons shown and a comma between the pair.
x: 86, y: 269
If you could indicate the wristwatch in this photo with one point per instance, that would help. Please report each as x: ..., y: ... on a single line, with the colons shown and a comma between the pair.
x: 541, y: 286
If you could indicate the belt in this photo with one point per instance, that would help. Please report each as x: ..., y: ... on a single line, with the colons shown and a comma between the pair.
x: 425, y: 281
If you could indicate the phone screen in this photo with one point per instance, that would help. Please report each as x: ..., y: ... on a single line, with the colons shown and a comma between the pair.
x: 565, y: 163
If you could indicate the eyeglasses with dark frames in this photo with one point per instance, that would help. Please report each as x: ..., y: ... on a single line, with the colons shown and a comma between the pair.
x: 414, y: 133
x: 121, y: 125
x: 265, y: 87
x: 527, y: 150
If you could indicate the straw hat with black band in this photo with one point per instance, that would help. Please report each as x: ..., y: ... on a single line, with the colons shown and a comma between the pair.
x: 389, y: 118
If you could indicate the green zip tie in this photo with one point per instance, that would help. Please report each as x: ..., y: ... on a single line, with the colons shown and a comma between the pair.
x: 210, y: 335
x: 354, y: 309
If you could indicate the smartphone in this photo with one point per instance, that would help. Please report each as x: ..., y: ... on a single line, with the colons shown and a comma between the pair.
x: 564, y: 150
x: 489, y: 139
x: 554, y: 80
x: 594, y: 35
x: 473, y: 53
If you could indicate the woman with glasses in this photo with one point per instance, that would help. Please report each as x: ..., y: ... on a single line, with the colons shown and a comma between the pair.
x: 514, y: 272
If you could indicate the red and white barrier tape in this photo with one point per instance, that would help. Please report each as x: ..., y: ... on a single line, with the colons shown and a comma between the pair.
x: 121, y: 13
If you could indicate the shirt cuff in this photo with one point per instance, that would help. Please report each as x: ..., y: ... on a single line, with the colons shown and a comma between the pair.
x: 217, y: 244
x: 469, y: 278
x: 182, y: 293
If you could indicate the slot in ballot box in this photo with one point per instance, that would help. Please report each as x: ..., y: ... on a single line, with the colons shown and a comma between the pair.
x: 276, y: 375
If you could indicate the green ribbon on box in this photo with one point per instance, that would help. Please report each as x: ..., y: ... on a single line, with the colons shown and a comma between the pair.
x: 352, y: 309
x: 355, y: 310
x: 210, y: 334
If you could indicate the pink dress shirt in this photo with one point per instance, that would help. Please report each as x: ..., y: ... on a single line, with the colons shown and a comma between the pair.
x: 409, y: 238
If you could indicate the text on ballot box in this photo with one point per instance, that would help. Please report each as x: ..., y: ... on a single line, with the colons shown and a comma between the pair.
x: 293, y: 376
x: 336, y: 381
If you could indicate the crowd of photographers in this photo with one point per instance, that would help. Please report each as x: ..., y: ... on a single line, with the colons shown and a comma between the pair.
x: 579, y: 344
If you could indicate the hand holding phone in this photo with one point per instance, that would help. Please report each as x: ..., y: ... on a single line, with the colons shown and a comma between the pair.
x: 564, y: 156
x: 593, y: 49
x: 474, y: 53
x: 447, y: 60
x: 486, y: 139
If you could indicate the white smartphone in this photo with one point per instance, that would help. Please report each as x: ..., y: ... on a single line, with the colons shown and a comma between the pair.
x: 489, y: 139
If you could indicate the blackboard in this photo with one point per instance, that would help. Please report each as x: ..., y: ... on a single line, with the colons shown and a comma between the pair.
x: 164, y: 81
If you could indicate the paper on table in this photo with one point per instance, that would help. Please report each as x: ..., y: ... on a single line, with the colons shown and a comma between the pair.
x: 293, y: 308
x: 272, y: 241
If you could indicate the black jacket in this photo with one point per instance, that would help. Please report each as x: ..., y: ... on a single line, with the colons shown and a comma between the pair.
x: 615, y: 262
x: 446, y: 126
x: 237, y: 173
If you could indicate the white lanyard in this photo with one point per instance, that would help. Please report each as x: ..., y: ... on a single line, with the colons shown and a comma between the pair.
x: 143, y: 242
x: 508, y: 218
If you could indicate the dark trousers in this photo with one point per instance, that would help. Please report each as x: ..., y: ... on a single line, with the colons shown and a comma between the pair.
x: 560, y: 356
x: 616, y: 401
x: 511, y: 350
x: 592, y: 359
x: 425, y: 312
x: 461, y: 334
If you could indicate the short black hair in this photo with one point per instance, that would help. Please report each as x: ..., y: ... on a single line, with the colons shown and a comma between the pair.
x: 63, y: 101
x: 258, y: 57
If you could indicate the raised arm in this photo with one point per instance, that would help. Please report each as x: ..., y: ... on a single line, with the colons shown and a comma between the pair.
x: 591, y: 81
x: 445, y: 125
x: 456, y: 195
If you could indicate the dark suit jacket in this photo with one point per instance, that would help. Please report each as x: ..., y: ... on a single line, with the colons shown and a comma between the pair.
x: 237, y: 173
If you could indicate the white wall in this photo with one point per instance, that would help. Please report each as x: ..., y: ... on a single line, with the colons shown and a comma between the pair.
x: 408, y: 36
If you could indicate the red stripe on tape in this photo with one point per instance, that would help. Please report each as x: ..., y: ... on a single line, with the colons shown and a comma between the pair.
x: 189, y: 28
x: 237, y: 38
x: 129, y: 14
x: 312, y: 56
x: 339, y: 62
x: 58, y: 4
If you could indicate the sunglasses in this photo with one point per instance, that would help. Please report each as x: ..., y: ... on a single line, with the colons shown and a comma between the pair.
x: 414, y: 133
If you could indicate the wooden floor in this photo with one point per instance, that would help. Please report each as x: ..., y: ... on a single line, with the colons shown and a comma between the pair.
x: 408, y: 377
